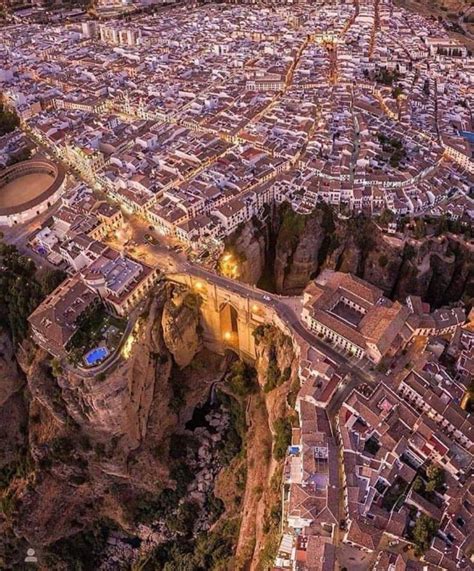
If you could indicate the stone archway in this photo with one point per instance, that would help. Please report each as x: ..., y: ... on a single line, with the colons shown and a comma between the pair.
x: 229, y: 325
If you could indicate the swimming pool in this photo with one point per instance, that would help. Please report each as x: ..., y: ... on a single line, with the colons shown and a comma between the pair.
x: 96, y: 356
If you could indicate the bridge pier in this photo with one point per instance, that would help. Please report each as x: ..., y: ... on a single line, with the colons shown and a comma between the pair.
x: 227, y: 318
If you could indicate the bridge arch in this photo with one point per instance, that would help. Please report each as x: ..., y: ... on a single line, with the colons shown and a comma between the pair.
x: 229, y: 325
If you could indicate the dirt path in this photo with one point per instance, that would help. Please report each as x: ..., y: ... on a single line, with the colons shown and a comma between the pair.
x: 259, y: 469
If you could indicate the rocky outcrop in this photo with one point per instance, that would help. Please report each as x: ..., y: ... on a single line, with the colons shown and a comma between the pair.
x: 248, y: 246
x: 117, y: 404
x: 181, y: 328
x: 297, y: 248
x: 87, y: 433
x: 300, y: 245
x: 276, y: 362
x: 276, y: 366
x: 13, y: 410
x: 440, y: 270
x: 97, y: 441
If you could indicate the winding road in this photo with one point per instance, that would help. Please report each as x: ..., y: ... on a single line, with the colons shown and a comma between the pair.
x: 359, y: 370
x: 287, y: 308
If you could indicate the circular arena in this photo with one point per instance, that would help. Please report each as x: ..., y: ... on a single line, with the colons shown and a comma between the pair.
x: 29, y: 188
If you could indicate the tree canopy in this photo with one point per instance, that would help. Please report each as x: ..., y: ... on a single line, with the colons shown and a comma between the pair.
x: 8, y: 120
x: 21, y: 291
x: 423, y: 532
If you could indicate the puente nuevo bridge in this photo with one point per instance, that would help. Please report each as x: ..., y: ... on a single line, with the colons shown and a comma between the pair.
x: 229, y: 316
x: 231, y: 311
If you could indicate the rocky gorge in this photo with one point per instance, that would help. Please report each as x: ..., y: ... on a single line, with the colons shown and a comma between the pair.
x: 109, y: 470
x: 286, y: 251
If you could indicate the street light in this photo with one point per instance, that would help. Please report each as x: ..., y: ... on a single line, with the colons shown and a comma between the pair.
x: 227, y: 335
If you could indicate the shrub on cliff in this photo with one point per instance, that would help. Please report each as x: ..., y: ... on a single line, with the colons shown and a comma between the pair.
x: 241, y: 379
x: 234, y: 442
x: 282, y: 437
x: 212, y: 550
x: 259, y: 333
x: 275, y: 377
x: 80, y: 551
x: 292, y: 226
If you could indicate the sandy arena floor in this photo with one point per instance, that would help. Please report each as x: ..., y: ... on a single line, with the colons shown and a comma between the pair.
x: 23, y: 189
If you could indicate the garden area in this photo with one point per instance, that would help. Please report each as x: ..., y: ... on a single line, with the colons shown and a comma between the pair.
x: 393, y: 149
x: 98, y: 336
x: 395, y: 494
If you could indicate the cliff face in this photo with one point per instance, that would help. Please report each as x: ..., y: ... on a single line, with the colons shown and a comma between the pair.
x: 118, y: 405
x: 180, y: 322
x: 249, y: 246
x: 13, y: 411
x: 300, y: 245
x: 276, y: 368
x: 439, y: 269
x: 92, y: 440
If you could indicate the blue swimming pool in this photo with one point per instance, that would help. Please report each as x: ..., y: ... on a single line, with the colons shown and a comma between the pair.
x: 96, y: 356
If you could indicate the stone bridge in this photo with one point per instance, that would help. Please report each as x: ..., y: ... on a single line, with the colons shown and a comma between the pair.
x: 228, y: 316
x: 231, y: 311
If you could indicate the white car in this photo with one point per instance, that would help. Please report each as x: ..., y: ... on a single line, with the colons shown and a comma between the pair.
x: 267, y: 298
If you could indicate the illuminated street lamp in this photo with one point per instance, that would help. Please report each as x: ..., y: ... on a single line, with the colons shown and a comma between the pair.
x: 198, y: 285
x: 227, y: 335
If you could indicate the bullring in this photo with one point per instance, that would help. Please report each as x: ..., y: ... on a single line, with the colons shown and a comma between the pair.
x: 28, y: 188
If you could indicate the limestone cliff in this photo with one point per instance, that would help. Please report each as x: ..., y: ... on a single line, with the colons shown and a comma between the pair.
x: 301, y: 243
x: 98, y: 442
x: 180, y: 322
x: 276, y: 368
x: 297, y: 248
x: 13, y: 411
x: 248, y: 245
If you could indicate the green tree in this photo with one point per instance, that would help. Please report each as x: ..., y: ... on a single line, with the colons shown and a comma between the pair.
x: 282, y: 437
x: 435, y: 476
x: 419, y: 485
x: 183, y: 521
x: 397, y: 91
x: 423, y: 532
x: 8, y: 120
x: 241, y: 379
x: 20, y: 292
x: 50, y: 279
